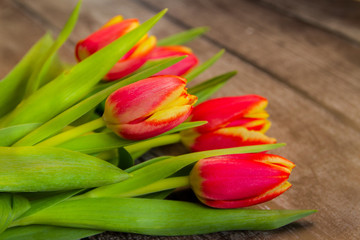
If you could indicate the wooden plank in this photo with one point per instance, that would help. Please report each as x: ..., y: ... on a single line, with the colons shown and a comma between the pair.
x: 341, y: 17
x: 317, y: 64
x: 325, y: 150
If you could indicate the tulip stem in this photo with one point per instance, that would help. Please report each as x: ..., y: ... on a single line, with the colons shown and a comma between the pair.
x: 153, y: 142
x: 72, y: 133
x: 161, y: 185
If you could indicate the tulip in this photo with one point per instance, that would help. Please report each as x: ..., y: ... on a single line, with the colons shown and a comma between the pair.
x: 240, y: 180
x: 148, y: 107
x: 180, y: 68
x: 111, y: 31
x: 232, y: 122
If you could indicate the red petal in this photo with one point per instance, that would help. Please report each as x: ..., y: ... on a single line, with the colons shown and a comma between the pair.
x: 140, y: 99
x: 179, y: 68
x: 221, y: 111
x: 228, y: 138
x: 157, y: 124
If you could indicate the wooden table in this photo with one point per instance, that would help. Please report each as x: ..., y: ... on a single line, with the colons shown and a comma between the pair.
x: 304, y: 56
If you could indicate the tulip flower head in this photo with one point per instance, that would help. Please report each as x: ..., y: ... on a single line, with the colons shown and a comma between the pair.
x: 112, y: 30
x: 180, y: 68
x: 148, y: 107
x: 232, y: 122
x: 240, y: 180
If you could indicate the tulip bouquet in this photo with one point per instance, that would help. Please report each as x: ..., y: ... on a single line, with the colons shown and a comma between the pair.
x: 69, y: 136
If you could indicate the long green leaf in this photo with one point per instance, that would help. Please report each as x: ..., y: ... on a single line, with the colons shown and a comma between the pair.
x: 161, y: 169
x: 33, y: 169
x: 46, y: 60
x: 183, y: 37
x: 43, y: 232
x: 56, y: 124
x: 207, y: 88
x: 72, y: 86
x: 199, y: 69
x: 11, y: 134
x: 51, y: 199
x: 12, y: 87
x: 159, y: 217
x: 94, y: 143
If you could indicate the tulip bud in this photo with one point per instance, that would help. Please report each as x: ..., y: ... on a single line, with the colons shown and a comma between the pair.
x: 240, y: 180
x: 232, y: 122
x: 179, y: 68
x: 112, y: 30
x: 148, y: 107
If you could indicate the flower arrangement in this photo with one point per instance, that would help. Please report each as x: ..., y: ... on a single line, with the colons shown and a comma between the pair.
x: 69, y: 137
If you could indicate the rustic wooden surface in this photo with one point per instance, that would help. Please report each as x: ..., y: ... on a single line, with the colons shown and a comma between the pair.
x: 304, y: 56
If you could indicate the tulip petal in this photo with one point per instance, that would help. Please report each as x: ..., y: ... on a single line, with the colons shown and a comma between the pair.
x: 139, y: 100
x: 229, y: 137
x: 222, y: 111
x: 248, y: 202
x: 103, y: 37
x: 156, y: 124
x: 179, y: 68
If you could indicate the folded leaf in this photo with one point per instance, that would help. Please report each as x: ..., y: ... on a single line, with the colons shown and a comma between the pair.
x: 32, y: 169
x: 159, y: 217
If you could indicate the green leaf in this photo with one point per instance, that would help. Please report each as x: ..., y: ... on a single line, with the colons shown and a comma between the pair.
x: 164, y: 168
x: 184, y: 126
x: 96, y: 142
x: 183, y: 37
x: 11, y: 134
x: 159, y: 217
x: 49, y: 200
x: 12, y: 87
x: 70, y: 87
x: 206, y: 89
x: 199, y: 69
x: 57, y: 123
x: 45, y: 62
x: 33, y: 169
x: 146, y: 163
x: 42, y: 232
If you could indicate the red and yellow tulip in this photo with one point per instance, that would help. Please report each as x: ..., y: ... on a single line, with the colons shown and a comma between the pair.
x: 232, y: 122
x: 180, y: 68
x: 112, y: 30
x: 240, y: 180
x: 148, y: 107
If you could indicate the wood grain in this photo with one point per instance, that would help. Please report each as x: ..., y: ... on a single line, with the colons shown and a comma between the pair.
x: 318, y: 65
x: 292, y: 70
x: 338, y: 16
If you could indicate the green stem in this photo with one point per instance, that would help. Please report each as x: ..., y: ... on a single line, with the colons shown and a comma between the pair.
x: 151, y: 143
x: 73, y: 133
x: 161, y: 185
